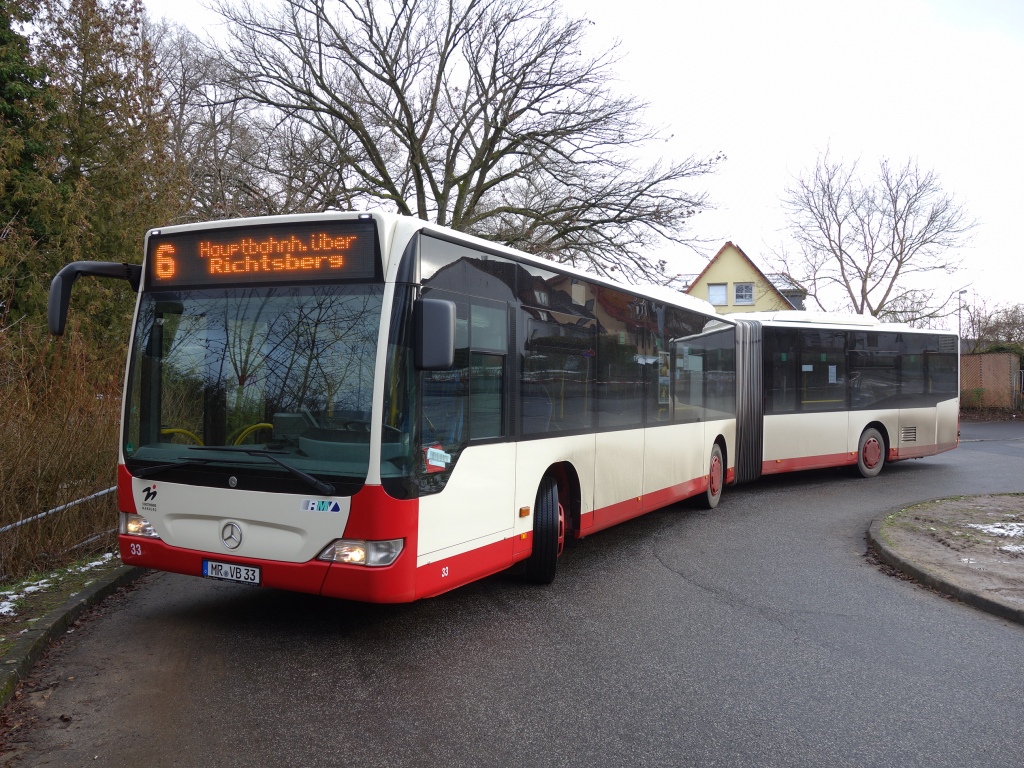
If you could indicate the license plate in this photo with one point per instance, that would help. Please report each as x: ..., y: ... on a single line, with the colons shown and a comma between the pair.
x: 243, y: 574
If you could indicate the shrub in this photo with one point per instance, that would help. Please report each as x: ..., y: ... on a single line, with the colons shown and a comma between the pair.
x: 59, y: 401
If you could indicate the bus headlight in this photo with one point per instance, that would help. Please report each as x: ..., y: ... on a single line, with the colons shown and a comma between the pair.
x: 137, y: 525
x: 359, y: 552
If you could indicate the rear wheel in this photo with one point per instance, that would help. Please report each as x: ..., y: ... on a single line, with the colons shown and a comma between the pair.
x: 716, y: 478
x: 548, y: 533
x: 870, y: 453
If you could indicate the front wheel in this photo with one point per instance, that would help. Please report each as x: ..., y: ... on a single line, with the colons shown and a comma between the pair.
x: 870, y: 453
x: 548, y: 534
x: 716, y: 478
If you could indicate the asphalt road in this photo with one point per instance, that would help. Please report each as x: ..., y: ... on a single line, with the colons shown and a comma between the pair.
x: 757, y: 634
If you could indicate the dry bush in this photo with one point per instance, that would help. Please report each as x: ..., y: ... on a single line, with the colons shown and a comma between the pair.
x: 60, y: 407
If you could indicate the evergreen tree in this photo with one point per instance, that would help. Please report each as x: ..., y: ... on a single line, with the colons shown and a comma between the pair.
x: 114, y: 173
x: 27, y: 150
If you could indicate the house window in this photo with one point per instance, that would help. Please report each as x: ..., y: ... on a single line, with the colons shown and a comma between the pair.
x: 744, y: 293
x: 718, y: 294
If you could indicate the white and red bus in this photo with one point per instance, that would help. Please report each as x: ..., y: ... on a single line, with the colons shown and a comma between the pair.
x: 372, y: 407
x: 826, y: 390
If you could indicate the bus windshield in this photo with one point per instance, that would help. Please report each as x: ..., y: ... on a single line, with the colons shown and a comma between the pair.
x: 270, y: 385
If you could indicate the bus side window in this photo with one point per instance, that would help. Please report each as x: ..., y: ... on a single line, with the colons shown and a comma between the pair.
x: 556, y: 325
x: 621, y: 355
x: 688, y: 373
x: 823, y: 371
x: 780, y: 359
x: 489, y: 345
x: 874, y: 370
x: 446, y: 393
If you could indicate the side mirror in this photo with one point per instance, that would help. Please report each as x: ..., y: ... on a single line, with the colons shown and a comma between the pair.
x: 60, y: 287
x: 434, y: 321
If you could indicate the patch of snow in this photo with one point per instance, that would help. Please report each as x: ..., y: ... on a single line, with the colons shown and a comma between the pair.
x: 968, y: 560
x: 1017, y: 549
x: 8, y: 599
x: 96, y: 563
x: 1005, y: 530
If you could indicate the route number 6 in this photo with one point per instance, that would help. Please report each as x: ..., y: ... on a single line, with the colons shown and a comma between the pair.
x: 135, y: 549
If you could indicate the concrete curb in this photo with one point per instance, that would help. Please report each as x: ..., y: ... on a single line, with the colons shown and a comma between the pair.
x: 30, y: 646
x: 890, y: 557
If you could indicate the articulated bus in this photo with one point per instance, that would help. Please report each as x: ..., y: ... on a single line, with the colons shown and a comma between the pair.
x: 826, y: 390
x: 371, y: 407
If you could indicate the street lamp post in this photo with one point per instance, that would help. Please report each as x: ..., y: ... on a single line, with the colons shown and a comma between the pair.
x: 959, y: 312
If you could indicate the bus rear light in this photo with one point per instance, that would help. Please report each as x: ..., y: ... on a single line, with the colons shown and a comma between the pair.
x: 137, y: 525
x: 359, y: 552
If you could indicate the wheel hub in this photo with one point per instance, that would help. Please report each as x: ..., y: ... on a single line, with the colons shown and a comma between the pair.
x: 715, y: 480
x: 872, y: 453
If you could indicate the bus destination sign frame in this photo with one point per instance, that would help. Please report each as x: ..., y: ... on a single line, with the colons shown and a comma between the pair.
x: 303, y: 252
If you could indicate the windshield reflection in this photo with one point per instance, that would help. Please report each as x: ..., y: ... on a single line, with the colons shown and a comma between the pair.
x: 286, y: 369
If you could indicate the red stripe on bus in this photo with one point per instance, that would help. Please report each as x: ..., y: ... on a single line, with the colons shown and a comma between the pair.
x: 443, y: 575
x: 917, y: 452
x: 777, y: 466
x: 125, y: 497
x: 606, y: 517
x: 376, y: 516
x: 153, y: 553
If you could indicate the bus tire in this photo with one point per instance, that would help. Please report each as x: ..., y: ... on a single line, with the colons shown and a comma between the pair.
x: 548, y: 534
x: 870, y: 452
x: 716, y: 478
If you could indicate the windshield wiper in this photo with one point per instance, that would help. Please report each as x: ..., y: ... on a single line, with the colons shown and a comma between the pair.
x: 158, y: 468
x: 325, y: 488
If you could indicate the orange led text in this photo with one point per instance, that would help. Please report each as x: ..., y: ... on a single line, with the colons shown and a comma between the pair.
x: 248, y: 255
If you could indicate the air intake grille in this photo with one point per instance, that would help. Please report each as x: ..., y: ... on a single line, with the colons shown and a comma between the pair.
x: 908, y: 435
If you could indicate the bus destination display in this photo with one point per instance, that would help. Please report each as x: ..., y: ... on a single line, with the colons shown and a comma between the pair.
x: 303, y: 252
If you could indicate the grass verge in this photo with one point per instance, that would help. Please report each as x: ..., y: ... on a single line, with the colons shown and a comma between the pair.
x: 23, y: 603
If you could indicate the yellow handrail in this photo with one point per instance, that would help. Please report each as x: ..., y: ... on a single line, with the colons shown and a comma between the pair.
x: 177, y: 431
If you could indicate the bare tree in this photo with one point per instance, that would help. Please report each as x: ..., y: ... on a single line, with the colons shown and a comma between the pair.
x: 215, y: 141
x: 984, y: 327
x: 874, y: 243
x: 482, y: 115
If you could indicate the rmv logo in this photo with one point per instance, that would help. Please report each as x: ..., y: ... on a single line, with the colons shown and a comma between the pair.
x: 320, y: 505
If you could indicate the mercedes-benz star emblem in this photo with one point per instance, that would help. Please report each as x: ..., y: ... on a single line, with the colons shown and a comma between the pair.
x: 231, y: 535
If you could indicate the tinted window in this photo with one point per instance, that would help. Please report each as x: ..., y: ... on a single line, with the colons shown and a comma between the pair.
x: 781, y: 353
x: 929, y: 369
x: 465, y: 270
x: 823, y: 370
x: 445, y: 397
x: 621, y: 357
x: 705, y: 386
x: 558, y: 372
x: 874, y: 370
x: 685, y: 371
x: 486, y: 395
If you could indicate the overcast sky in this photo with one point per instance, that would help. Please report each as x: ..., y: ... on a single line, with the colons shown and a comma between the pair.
x: 772, y: 85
